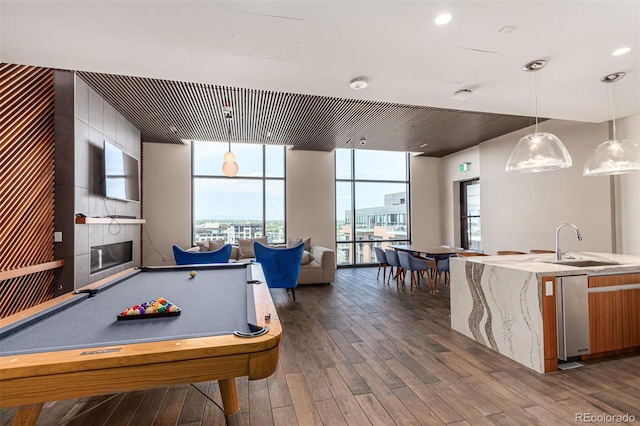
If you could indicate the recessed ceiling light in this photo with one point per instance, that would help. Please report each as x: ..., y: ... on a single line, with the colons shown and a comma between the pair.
x: 612, y: 78
x: 443, y: 19
x: 358, y: 83
x: 621, y: 51
x: 173, y: 129
x: 363, y: 141
x: 423, y: 145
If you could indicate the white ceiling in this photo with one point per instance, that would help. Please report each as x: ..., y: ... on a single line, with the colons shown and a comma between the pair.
x: 317, y: 47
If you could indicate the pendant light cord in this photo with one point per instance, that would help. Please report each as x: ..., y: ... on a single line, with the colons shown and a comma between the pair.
x: 536, y: 84
x: 614, y: 92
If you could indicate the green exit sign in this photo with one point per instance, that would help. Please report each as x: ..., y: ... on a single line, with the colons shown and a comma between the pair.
x: 464, y: 167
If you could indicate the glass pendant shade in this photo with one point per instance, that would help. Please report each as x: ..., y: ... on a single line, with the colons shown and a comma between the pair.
x: 538, y: 152
x: 229, y: 157
x: 614, y: 157
x: 230, y: 169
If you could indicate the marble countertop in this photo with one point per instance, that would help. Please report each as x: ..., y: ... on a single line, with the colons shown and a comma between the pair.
x: 539, y: 263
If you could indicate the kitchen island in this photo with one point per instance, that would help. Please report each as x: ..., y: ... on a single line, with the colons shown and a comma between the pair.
x: 508, y: 303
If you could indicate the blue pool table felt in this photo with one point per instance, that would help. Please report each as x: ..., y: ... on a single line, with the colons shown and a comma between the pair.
x: 213, y: 303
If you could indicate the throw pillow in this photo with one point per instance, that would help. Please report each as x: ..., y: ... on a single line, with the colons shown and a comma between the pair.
x: 306, y: 258
x: 292, y: 242
x: 307, y: 244
x: 216, y: 244
x: 211, y: 245
x: 245, y: 246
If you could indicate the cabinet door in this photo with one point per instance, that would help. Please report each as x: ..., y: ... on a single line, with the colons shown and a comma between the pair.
x: 630, y: 318
x: 605, y: 321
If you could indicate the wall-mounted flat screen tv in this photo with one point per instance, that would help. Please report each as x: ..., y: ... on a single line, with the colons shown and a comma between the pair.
x: 121, y: 178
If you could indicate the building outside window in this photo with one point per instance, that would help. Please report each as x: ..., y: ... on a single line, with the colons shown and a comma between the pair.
x: 249, y: 205
x: 372, y: 208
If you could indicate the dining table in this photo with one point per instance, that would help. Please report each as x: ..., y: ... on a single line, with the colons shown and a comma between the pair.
x: 435, y: 252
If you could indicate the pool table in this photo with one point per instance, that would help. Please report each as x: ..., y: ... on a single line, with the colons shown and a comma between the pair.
x: 75, y: 346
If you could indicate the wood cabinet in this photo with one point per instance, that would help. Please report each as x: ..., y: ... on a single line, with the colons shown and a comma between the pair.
x: 631, y: 318
x: 549, y: 325
x: 614, y: 312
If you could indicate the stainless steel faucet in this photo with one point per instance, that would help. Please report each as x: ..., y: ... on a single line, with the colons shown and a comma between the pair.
x: 578, y: 236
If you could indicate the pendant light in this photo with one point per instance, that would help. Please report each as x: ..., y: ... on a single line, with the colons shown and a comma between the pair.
x: 230, y: 168
x: 615, y: 156
x: 538, y: 151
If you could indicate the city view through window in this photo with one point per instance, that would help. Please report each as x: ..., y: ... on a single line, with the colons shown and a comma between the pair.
x: 250, y: 205
x: 372, y: 204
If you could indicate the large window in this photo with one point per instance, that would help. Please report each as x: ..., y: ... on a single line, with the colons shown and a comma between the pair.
x: 372, y: 203
x: 470, y: 214
x: 249, y: 205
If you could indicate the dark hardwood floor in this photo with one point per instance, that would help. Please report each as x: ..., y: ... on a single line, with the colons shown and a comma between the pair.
x: 360, y: 352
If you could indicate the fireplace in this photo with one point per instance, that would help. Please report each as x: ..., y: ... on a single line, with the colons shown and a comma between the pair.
x: 110, y: 255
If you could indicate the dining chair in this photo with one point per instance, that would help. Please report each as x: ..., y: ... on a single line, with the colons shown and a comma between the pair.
x: 509, y: 252
x: 393, y: 262
x: 541, y: 251
x: 382, y: 261
x: 281, y: 266
x: 183, y: 257
x: 443, y: 268
x: 415, y: 265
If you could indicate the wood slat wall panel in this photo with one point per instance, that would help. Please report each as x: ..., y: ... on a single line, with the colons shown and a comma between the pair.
x: 27, y: 183
x: 15, y: 297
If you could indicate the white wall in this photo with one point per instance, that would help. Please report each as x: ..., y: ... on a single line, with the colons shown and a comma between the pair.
x: 166, y: 201
x: 522, y: 211
x: 627, y: 194
x: 311, y: 197
x: 450, y: 180
x: 425, y: 201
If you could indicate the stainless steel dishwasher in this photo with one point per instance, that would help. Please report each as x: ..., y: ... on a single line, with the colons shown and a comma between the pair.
x: 572, y: 313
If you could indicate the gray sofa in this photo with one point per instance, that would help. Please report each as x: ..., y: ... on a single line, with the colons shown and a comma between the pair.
x: 319, y: 267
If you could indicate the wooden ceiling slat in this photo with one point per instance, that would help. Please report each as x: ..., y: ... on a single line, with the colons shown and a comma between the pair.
x: 303, y: 121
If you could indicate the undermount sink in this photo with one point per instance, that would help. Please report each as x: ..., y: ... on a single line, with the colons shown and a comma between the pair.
x: 583, y: 263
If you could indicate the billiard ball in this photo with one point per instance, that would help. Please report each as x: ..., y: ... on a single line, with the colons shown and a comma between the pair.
x: 192, y: 274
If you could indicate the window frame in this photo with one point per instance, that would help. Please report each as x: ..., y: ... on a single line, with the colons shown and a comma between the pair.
x: 353, y: 182
x: 464, y: 217
x: 264, y: 179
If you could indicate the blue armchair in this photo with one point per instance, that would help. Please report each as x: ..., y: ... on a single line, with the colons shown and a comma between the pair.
x: 281, y: 266
x: 221, y: 255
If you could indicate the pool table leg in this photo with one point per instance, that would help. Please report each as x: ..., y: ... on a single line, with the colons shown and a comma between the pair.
x: 230, y: 402
x: 27, y: 414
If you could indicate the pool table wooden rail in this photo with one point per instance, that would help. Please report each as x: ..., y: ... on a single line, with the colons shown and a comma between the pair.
x: 37, y: 378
